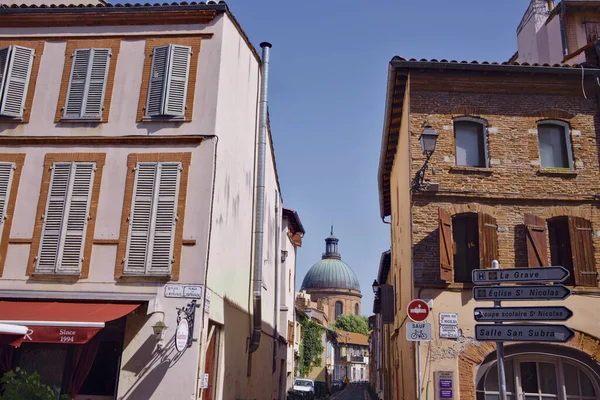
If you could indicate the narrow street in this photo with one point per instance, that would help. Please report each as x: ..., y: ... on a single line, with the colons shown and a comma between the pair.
x: 353, y: 392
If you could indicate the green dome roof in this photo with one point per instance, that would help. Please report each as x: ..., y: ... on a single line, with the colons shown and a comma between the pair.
x: 331, y: 272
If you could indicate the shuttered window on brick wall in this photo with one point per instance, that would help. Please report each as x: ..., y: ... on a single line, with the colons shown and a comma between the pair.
x: 153, y: 218
x: 488, y: 240
x: 582, y: 251
x: 168, y: 83
x: 66, y: 218
x: 87, y: 84
x: 290, y: 333
x: 15, y: 71
x: 388, y: 304
x: 537, y: 241
x: 446, y: 246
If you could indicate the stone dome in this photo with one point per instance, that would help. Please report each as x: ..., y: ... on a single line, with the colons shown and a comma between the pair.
x: 331, y: 272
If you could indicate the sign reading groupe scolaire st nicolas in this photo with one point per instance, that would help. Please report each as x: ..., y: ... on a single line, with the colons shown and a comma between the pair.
x: 523, y: 333
x: 517, y: 275
x: 533, y: 292
x: 500, y: 314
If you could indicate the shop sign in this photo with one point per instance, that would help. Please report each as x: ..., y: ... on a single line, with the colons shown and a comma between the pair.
x: 523, y: 333
x: 192, y: 292
x: 444, y: 385
x: 500, y: 314
x: 418, y: 332
x: 449, y: 332
x: 59, y: 334
x: 448, y: 318
x: 520, y: 275
x: 533, y: 292
x: 182, y: 335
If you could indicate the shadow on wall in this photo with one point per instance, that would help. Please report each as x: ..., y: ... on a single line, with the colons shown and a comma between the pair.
x: 150, y: 366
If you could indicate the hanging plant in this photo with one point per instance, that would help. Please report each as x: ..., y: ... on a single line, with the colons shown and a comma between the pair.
x: 311, y: 346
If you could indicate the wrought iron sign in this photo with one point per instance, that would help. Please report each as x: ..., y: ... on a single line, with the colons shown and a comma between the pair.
x: 188, y: 313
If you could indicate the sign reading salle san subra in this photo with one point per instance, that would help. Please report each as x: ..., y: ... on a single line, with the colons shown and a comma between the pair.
x: 521, y: 332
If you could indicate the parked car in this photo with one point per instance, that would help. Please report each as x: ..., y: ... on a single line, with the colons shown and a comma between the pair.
x: 337, y: 384
x: 321, y: 390
x: 304, y: 385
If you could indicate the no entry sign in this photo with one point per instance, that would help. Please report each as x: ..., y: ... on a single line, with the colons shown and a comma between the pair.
x: 418, y: 310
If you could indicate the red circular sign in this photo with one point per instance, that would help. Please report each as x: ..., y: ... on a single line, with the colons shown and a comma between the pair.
x: 418, y: 310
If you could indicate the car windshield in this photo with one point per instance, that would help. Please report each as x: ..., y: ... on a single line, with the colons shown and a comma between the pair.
x: 303, y: 383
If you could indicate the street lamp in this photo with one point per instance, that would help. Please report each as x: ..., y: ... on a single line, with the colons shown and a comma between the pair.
x: 428, y: 141
x: 375, y: 286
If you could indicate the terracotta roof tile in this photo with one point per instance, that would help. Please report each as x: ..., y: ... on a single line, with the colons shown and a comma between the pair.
x: 353, y: 338
x: 108, y: 5
x: 475, y: 62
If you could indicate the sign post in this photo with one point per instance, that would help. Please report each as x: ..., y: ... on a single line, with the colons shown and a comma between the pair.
x: 418, y: 311
x: 500, y: 333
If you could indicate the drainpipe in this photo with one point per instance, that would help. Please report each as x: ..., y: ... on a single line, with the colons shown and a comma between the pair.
x: 277, y: 301
x: 259, y: 205
x: 563, y: 31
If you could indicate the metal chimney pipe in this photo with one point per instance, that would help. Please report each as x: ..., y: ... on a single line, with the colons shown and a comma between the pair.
x: 259, y: 208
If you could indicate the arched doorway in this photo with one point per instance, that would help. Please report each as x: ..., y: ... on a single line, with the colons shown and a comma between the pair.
x: 541, y: 372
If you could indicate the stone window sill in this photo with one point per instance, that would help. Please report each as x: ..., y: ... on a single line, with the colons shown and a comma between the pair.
x: 565, y: 173
x: 470, y: 170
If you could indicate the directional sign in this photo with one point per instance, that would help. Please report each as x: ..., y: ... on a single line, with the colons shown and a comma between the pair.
x: 418, y: 310
x: 497, y: 314
x: 516, y: 275
x: 523, y: 333
x: 533, y: 292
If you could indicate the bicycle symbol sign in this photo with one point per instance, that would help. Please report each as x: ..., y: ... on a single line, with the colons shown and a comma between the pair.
x: 418, y: 332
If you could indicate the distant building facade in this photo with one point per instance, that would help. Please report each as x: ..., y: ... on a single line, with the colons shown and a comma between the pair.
x: 334, y: 282
x: 352, y: 356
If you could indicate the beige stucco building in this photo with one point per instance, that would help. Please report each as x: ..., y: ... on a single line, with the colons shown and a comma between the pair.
x: 130, y: 165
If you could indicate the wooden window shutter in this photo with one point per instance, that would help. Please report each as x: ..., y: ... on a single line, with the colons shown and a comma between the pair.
x: 156, y: 84
x: 488, y: 240
x: 582, y: 251
x: 77, y: 83
x: 140, y: 218
x: 96, y: 83
x: 446, y: 247
x: 4, y: 56
x: 290, y: 333
x: 177, y: 80
x: 6, y: 176
x: 388, y: 304
x: 53, y: 218
x: 16, y: 81
x: 537, y: 242
x: 164, y: 218
x: 77, y: 215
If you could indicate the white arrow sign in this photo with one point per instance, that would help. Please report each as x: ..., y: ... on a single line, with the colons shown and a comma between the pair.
x: 516, y: 275
x: 533, y: 292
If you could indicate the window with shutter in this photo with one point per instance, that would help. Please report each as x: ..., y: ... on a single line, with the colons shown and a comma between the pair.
x: 87, y: 84
x: 537, y: 248
x: 65, y: 218
x: 388, y: 304
x: 445, y: 240
x: 168, y: 82
x: 466, y: 236
x: 16, y: 70
x: 582, y: 252
x: 153, y: 218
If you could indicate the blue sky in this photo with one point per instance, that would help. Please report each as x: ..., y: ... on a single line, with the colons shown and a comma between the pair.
x: 329, y: 66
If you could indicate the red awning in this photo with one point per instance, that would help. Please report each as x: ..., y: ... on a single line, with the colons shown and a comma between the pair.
x: 74, y: 323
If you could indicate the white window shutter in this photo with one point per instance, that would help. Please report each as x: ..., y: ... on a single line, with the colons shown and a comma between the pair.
x: 177, y: 80
x: 4, y: 57
x: 162, y: 230
x: 53, y: 218
x: 77, y: 214
x: 140, y: 218
x: 156, y: 84
x: 96, y: 84
x: 77, y: 83
x: 6, y: 175
x: 17, y: 81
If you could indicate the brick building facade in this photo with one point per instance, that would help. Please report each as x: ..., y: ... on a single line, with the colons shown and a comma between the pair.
x: 514, y: 177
